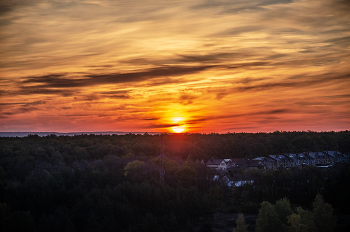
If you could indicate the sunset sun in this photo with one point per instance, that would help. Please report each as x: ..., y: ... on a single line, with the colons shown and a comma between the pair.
x: 180, y: 124
x: 178, y: 129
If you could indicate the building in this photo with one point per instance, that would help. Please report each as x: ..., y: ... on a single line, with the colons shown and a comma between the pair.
x: 219, y: 164
x: 255, y: 164
x: 283, y: 161
x: 320, y: 158
x: 299, y: 159
x: 335, y: 156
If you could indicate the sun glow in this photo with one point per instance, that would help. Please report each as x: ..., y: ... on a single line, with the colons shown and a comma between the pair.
x: 180, y: 125
x: 178, y: 129
x: 177, y: 119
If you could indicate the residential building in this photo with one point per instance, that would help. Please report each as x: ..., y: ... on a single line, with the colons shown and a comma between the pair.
x: 320, y: 158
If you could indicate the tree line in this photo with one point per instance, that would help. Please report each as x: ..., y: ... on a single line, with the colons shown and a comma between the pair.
x: 197, y: 146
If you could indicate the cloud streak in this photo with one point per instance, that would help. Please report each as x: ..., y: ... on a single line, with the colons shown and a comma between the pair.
x: 61, y: 81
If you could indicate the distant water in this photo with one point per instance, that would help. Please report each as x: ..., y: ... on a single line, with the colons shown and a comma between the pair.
x: 42, y: 134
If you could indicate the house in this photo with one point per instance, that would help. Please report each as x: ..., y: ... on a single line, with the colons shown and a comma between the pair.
x: 299, y: 159
x: 237, y: 164
x: 219, y: 164
x: 283, y: 161
x: 347, y: 157
x: 320, y: 158
x: 226, y: 164
x: 335, y: 156
x: 270, y: 163
x: 256, y: 164
x: 214, y: 163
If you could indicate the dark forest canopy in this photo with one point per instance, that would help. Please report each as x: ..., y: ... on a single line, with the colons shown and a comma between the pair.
x: 197, y: 146
x: 111, y: 182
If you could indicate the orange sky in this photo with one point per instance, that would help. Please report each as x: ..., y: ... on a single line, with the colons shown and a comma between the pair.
x: 202, y: 65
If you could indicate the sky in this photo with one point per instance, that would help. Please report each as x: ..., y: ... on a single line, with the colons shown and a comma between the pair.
x: 198, y: 66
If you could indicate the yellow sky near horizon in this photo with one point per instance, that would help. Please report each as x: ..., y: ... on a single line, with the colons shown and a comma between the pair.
x: 218, y: 65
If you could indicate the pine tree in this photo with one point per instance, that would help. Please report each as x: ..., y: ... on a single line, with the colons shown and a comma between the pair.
x: 241, y: 226
x: 324, y: 219
x: 268, y: 219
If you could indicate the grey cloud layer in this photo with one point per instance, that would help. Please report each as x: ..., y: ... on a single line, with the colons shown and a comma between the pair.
x: 62, y: 81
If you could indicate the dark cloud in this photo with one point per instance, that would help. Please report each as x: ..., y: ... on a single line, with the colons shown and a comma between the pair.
x: 100, y: 66
x: 5, y: 9
x: 303, y: 82
x: 221, y: 95
x: 10, y: 104
x: 268, y: 112
x: 21, y: 110
x: 229, y: 6
x: 151, y: 119
x: 112, y: 92
x: 24, y: 104
x: 267, y: 120
x: 223, y: 57
x: 54, y: 81
x: 35, y: 103
x: 7, y: 6
x: 208, y: 57
x: 116, y: 94
x: 30, y: 90
x: 341, y: 41
x: 77, y: 115
x: 162, y: 125
x: 25, y: 107
x: 45, y: 83
x: 249, y: 64
x: 119, y: 96
x: 238, y: 30
x: 104, y: 115
x: 186, y: 99
x: 62, y: 85
x: 115, y: 78
x: 121, y: 107
x: 242, y: 128
x: 339, y: 96
x: 93, y: 97
x: 249, y: 80
x: 4, y: 22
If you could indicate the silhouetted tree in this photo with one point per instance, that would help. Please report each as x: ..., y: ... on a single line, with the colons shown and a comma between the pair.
x: 323, y: 215
x: 241, y: 225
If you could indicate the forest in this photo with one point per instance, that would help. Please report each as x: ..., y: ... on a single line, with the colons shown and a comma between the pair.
x: 112, y: 183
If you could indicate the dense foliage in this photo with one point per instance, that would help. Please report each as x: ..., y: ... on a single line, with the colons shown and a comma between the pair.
x: 281, y: 218
x: 111, y: 182
x: 197, y: 146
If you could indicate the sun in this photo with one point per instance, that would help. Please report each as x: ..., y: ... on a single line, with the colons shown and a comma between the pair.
x: 178, y: 129
x: 179, y: 123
